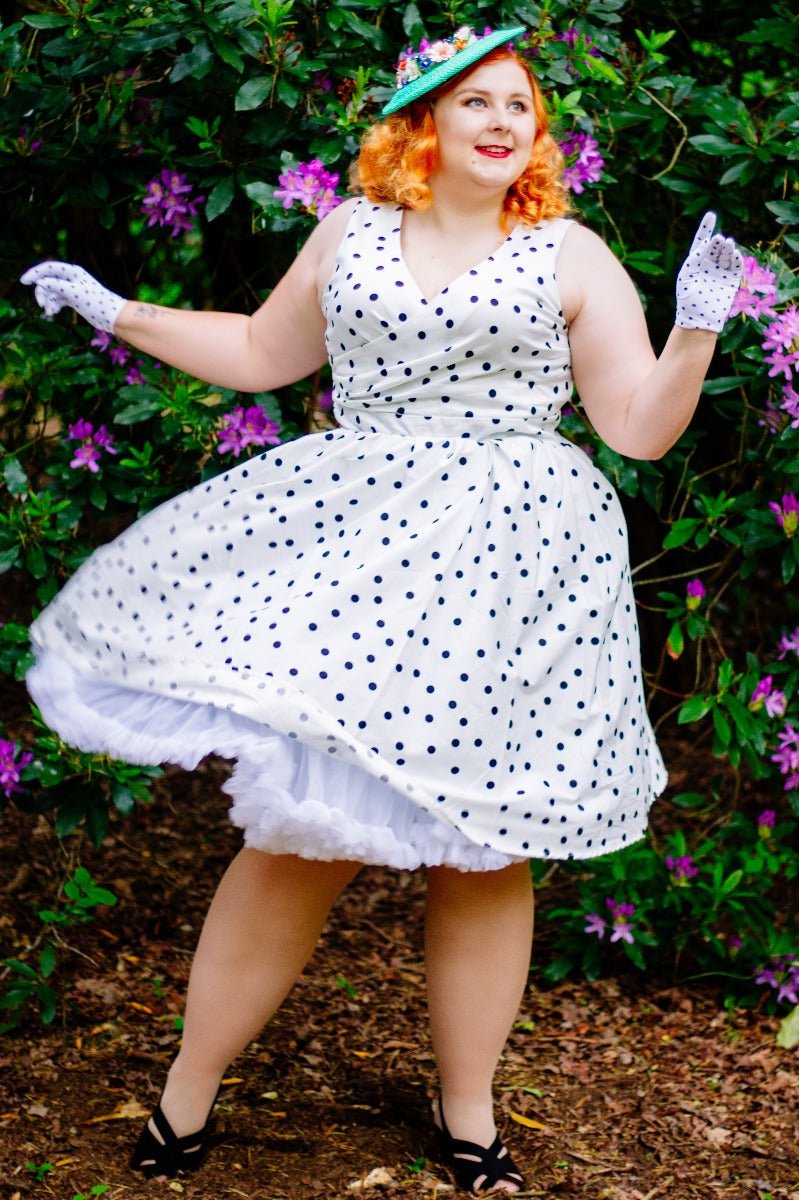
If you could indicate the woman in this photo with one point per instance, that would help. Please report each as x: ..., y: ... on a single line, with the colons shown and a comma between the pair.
x: 415, y: 633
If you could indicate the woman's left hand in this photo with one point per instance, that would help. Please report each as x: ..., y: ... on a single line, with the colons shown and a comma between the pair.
x: 708, y: 279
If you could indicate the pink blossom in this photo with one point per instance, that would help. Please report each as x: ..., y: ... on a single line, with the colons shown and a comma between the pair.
x: 11, y: 766
x: 622, y: 930
x: 789, y: 642
x: 787, y: 513
x: 595, y: 924
x: 695, y: 592
x: 787, y: 756
x: 682, y: 868
x: 247, y: 427
x: 586, y: 161
x: 101, y: 340
x: 167, y: 203
x: 758, y: 291
x: 134, y: 374
x: 311, y: 186
x: 782, y: 342
x: 767, y: 696
x: 87, y: 454
x: 118, y: 355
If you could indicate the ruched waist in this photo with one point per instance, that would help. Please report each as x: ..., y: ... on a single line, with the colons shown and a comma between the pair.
x: 440, y: 423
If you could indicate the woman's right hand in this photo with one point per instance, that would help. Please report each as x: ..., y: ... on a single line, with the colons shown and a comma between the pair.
x: 57, y: 284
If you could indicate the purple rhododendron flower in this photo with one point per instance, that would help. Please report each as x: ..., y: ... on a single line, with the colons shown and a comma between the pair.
x: 757, y: 293
x: 682, y: 867
x: 787, y: 756
x: 11, y: 766
x: 167, y: 203
x: 622, y: 930
x: 324, y: 401
x: 311, y: 186
x: 767, y: 696
x: 247, y: 427
x: 134, y: 374
x: 595, y: 924
x: 783, y: 977
x: 87, y: 455
x: 118, y: 355
x: 789, y: 642
x: 790, y: 404
x: 586, y: 162
x: 101, y: 340
x: 767, y: 819
x: 782, y: 342
x: 787, y: 513
x: 695, y: 592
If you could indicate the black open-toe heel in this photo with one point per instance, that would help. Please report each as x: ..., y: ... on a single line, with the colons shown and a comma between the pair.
x: 477, y: 1169
x: 172, y: 1154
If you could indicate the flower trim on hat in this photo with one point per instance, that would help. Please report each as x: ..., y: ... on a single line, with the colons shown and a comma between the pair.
x: 415, y: 63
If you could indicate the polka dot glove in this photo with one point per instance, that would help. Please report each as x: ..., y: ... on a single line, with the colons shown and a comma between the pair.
x: 708, y: 279
x: 57, y: 283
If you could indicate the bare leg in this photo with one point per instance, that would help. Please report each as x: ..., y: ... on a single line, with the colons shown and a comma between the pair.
x: 479, y: 929
x: 260, y: 931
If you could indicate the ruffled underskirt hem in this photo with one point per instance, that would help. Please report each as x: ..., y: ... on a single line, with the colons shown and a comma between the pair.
x: 288, y: 798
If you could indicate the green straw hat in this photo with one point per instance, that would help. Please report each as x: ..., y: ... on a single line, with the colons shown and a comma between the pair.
x: 433, y: 63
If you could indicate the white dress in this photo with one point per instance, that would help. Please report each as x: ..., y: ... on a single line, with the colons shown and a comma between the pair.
x: 415, y: 633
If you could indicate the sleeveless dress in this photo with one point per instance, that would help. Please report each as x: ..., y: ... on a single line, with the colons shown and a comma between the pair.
x: 416, y: 632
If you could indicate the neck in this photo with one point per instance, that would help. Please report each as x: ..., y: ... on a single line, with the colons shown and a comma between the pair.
x: 453, y: 208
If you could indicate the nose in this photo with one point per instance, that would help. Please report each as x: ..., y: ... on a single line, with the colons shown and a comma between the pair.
x: 499, y: 118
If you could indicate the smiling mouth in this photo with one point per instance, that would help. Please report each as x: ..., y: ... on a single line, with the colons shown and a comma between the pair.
x: 495, y: 151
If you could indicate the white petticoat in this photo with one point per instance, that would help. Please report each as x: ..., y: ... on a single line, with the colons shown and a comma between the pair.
x: 287, y: 797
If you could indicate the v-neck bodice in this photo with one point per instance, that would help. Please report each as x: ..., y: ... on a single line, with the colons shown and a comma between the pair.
x: 491, y: 258
x: 490, y: 351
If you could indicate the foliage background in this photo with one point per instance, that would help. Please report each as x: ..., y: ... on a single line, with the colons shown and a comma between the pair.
x: 691, y: 108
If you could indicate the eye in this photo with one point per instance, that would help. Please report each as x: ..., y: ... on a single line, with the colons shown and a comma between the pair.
x: 474, y: 100
x: 518, y: 106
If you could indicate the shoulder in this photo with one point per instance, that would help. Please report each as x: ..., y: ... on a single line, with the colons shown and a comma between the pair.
x: 319, y: 252
x: 585, y: 267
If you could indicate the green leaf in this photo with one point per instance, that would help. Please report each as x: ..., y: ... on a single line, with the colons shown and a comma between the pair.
x: 675, y: 641
x: 15, y: 477
x: 694, y: 709
x: 681, y: 532
x: 731, y: 882
x: 722, y: 727
x: 253, y: 93
x: 47, y: 961
x: 689, y: 800
x: 46, y: 21
x: 261, y: 193
x: 221, y: 198
x: 710, y: 143
x: 788, y: 1033
x: 785, y: 211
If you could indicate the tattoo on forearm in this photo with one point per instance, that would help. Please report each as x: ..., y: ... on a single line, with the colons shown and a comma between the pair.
x: 147, y: 310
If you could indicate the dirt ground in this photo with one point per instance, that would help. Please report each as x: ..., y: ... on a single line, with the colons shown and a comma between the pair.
x: 618, y: 1090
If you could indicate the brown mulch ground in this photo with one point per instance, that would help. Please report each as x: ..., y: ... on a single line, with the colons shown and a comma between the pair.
x: 625, y: 1090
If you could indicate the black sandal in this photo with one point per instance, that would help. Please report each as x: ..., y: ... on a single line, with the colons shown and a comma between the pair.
x: 170, y: 1155
x: 477, y: 1169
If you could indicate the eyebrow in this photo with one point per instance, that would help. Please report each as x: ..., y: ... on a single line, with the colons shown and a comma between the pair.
x: 484, y: 92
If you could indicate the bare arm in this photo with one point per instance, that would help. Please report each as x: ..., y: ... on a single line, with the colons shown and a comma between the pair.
x: 282, y: 342
x: 638, y: 403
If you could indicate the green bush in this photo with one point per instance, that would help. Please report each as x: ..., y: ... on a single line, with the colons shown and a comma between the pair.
x: 148, y: 143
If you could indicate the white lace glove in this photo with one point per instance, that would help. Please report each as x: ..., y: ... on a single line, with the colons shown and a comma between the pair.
x: 708, y: 279
x: 59, y: 283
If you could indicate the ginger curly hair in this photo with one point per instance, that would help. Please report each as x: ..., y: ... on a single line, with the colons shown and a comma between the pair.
x: 398, y: 155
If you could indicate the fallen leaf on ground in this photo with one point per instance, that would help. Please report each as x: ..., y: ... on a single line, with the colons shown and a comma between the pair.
x: 126, y: 1110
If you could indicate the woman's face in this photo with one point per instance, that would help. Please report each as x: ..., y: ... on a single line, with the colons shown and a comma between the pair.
x: 485, y: 126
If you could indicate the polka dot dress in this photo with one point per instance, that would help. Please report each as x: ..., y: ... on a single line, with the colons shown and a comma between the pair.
x: 415, y: 633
